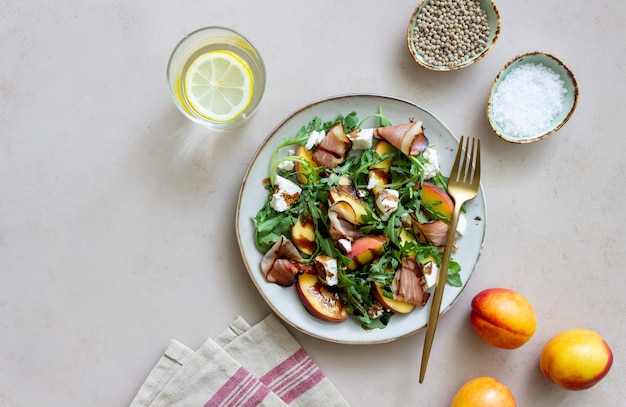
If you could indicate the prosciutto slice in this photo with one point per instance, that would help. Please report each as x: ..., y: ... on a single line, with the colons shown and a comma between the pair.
x: 408, y: 137
x: 435, y: 232
x: 333, y: 149
x: 408, y: 283
x: 282, y: 263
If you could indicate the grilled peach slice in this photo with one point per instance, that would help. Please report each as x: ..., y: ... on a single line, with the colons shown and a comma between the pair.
x: 437, y: 199
x: 399, y: 307
x: 318, y: 300
x: 347, y: 192
x: 301, y: 169
x: 365, y: 250
x: 303, y: 235
x: 383, y: 148
x: 345, y: 211
x: 406, y: 236
x: 377, y: 179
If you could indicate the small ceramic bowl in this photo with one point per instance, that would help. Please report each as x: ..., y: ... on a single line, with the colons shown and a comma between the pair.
x: 503, y: 122
x: 493, y: 19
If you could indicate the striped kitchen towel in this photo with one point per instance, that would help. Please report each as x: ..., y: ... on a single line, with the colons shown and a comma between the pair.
x: 261, y: 365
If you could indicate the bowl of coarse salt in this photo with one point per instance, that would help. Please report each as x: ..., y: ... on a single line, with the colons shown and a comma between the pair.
x: 445, y: 35
x: 532, y: 97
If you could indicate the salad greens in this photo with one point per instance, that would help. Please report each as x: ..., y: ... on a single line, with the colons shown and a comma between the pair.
x: 407, y: 175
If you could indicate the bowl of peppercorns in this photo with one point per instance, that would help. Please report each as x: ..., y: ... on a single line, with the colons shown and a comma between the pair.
x: 445, y: 35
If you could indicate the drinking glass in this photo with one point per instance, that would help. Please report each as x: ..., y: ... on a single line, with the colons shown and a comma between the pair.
x: 197, y: 44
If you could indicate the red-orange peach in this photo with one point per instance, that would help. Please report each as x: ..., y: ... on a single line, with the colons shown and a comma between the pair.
x: 484, y: 392
x: 319, y: 300
x: 365, y: 249
x: 576, y: 359
x: 503, y: 318
x: 397, y: 306
x: 438, y: 199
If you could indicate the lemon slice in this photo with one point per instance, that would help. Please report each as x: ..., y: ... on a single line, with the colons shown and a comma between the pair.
x: 218, y: 85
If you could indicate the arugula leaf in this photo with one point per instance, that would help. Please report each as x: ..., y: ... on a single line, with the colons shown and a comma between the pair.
x: 454, y: 274
x: 350, y: 122
x: 382, y: 120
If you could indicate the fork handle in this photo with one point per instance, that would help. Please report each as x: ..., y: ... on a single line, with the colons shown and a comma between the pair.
x: 439, y: 287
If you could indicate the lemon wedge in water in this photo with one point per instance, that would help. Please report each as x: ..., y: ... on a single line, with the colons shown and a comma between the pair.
x: 218, y: 85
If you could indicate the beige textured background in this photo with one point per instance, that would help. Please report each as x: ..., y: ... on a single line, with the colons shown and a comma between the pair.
x: 115, y: 236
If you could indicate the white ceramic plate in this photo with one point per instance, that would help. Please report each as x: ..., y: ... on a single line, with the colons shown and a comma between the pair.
x: 284, y: 301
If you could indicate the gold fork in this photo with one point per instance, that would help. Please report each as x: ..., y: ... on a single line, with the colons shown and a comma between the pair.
x: 463, y: 185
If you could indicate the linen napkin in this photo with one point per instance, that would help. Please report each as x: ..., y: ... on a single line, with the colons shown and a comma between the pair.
x: 261, y: 365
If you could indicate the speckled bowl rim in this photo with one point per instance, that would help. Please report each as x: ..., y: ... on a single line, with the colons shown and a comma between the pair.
x: 517, y: 58
x: 419, y: 59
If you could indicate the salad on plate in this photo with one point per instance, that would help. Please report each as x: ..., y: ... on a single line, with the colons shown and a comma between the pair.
x: 356, y: 218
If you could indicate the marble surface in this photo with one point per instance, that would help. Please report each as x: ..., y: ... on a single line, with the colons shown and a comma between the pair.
x: 117, y: 215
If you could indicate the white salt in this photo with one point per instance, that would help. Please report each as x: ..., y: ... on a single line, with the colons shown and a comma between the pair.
x: 527, y: 100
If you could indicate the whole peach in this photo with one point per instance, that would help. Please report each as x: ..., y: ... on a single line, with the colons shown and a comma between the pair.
x: 576, y: 359
x: 484, y: 392
x: 503, y: 318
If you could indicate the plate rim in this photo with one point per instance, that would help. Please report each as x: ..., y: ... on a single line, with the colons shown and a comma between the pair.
x: 245, y: 180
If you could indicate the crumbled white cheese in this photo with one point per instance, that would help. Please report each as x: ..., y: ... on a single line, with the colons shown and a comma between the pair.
x: 376, y: 179
x: 375, y: 310
x: 345, y: 244
x: 327, y: 269
x: 285, y: 193
x: 387, y: 201
x: 361, y: 139
x: 430, y: 277
x: 287, y: 165
x: 407, y: 220
x: 315, y: 138
x: 372, y: 180
x: 431, y: 166
x: 461, y: 227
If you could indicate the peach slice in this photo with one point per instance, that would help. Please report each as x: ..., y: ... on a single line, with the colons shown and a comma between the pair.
x: 377, y: 179
x: 406, y: 236
x: 319, y: 301
x: 383, y: 148
x: 437, y: 199
x: 346, y: 191
x: 303, y: 235
x: 301, y: 169
x: 399, y: 307
x: 345, y: 211
x: 365, y: 250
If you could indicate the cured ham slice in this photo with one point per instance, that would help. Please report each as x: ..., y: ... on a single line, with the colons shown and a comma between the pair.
x: 333, y: 149
x: 408, y: 283
x: 408, y: 137
x: 282, y: 263
x: 435, y: 232
x: 283, y: 272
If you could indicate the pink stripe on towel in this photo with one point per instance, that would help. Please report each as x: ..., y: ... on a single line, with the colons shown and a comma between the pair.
x: 293, y: 377
x: 241, y: 390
